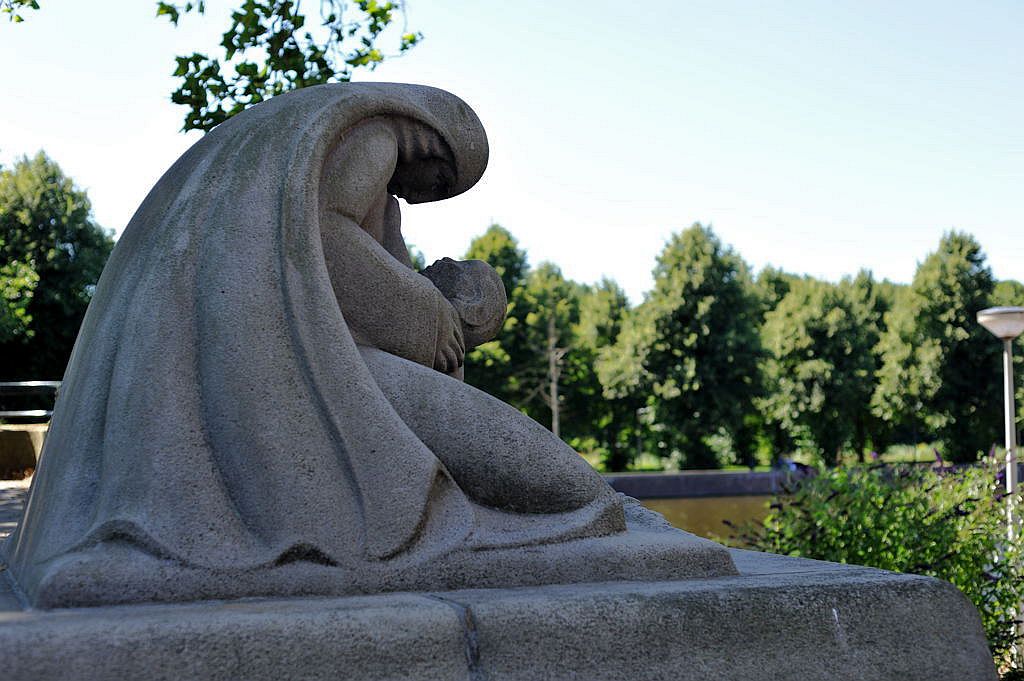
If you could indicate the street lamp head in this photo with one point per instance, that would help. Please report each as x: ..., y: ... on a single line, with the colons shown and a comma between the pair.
x: 1004, y: 322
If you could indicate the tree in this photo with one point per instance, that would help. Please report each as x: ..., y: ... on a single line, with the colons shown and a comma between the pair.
x: 1008, y: 293
x: 610, y: 417
x: 939, y: 365
x: 499, y: 249
x: 546, y: 308
x: 525, y: 365
x: 17, y: 284
x: 45, y: 225
x: 820, y: 365
x: 771, y: 286
x: 493, y: 366
x: 697, y: 347
x: 543, y: 360
x: 622, y: 371
x: 269, y: 49
x: 772, y: 441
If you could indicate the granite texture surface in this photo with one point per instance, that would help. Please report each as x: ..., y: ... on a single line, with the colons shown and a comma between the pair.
x: 780, y: 618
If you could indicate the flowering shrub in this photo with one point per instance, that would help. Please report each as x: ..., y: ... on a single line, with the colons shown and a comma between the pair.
x: 939, y: 521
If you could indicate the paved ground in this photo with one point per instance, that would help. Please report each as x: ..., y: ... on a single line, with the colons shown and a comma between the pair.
x: 12, y: 500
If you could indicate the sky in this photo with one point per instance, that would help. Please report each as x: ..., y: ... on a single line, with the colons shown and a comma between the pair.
x: 818, y: 137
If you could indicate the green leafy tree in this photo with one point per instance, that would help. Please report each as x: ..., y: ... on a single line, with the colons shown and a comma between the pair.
x: 272, y: 47
x: 940, y: 370
x: 609, y: 419
x: 870, y: 302
x: 770, y: 286
x: 547, y: 306
x: 542, y: 361
x: 697, y: 347
x: 493, y: 367
x: 534, y: 364
x: 499, y: 249
x: 626, y: 382
x: 45, y: 223
x: 12, y: 8
x: 1008, y: 293
x: 771, y: 441
x: 17, y: 284
x: 563, y: 327
x: 820, y: 365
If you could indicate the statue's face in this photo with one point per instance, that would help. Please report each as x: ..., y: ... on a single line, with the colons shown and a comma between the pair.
x: 426, y: 167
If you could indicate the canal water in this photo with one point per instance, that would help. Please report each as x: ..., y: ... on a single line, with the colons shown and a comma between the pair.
x: 700, y: 501
x: 704, y: 516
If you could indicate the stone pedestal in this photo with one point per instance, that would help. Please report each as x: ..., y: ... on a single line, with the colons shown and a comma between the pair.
x: 781, y: 618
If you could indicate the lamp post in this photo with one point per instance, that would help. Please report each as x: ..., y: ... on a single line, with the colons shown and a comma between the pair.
x: 1006, y: 323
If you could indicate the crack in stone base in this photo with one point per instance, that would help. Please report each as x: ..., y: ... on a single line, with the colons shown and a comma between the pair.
x: 471, y: 642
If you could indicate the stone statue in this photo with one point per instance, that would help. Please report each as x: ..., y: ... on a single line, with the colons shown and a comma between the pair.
x: 264, y: 396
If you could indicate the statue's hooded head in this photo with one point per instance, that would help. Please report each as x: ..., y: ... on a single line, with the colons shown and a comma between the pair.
x: 442, y: 147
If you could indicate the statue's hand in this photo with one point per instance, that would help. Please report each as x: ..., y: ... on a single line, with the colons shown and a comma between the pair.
x: 450, y: 348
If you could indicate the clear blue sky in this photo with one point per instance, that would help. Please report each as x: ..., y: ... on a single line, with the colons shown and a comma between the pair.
x: 816, y: 136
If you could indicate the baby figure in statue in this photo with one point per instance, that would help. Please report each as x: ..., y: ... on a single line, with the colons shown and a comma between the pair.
x: 478, y: 295
x: 476, y: 292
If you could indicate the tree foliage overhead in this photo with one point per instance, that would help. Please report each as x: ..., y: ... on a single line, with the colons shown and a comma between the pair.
x: 273, y: 46
x: 941, y: 368
x: 46, y: 227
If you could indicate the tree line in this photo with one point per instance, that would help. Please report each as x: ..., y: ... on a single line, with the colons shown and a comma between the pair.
x: 715, y: 366
x: 718, y: 366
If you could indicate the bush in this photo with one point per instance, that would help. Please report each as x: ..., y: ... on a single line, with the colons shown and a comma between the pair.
x: 943, y: 522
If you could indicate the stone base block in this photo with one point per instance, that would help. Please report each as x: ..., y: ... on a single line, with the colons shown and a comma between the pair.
x: 781, y: 618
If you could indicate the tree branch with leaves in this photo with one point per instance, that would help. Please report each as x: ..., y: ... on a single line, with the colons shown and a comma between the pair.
x: 272, y: 47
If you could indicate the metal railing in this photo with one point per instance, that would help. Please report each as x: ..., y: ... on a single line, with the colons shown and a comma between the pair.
x: 21, y: 389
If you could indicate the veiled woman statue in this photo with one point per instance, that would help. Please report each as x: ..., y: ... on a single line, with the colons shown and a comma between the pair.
x: 264, y: 396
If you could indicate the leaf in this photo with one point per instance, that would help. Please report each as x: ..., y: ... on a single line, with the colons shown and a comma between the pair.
x: 170, y: 11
